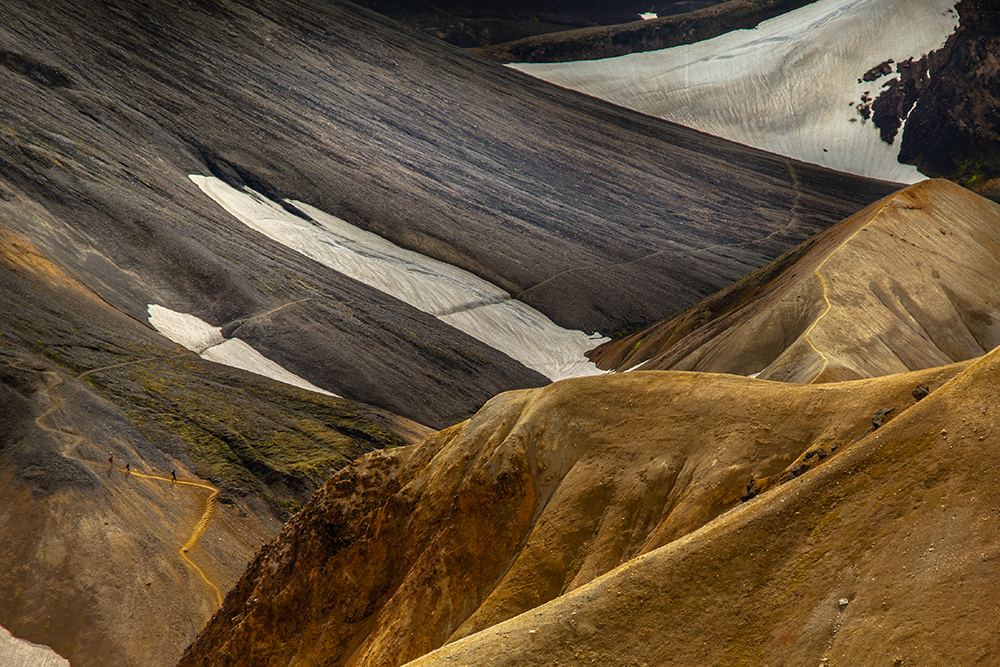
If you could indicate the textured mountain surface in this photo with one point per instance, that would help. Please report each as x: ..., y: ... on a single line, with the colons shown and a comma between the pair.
x: 468, y: 23
x: 908, y: 283
x: 884, y: 555
x: 564, y: 202
x: 538, y: 495
x: 91, y: 563
x: 952, y: 132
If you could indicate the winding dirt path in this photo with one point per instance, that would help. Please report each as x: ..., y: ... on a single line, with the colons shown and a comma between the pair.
x: 56, y: 402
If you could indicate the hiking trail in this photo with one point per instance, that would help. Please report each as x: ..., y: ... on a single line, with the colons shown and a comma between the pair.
x: 56, y: 402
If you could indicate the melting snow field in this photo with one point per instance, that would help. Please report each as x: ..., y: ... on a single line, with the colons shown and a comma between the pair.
x: 16, y: 652
x: 207, y: 341
x: 784, y: 86
x: 463, y: 300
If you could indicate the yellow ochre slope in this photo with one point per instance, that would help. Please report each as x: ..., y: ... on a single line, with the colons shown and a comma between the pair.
x: 907, y: 283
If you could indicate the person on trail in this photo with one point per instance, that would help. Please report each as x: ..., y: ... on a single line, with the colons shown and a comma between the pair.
x: 173, y: 473
x: 111, y: 459
x: 127, y: 469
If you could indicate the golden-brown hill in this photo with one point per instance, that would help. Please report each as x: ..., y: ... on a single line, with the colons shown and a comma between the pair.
x: 907, y: 283
x: 538, y: 495
x: 887, y: 555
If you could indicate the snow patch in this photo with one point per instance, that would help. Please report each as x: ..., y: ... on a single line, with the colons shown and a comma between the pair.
x: 207, y: 341
x: 457, y: 297
x: 784, y: 86
x: 15, y: 652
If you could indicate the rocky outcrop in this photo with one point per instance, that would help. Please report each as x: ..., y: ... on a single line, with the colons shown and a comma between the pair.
x: 952, y: 132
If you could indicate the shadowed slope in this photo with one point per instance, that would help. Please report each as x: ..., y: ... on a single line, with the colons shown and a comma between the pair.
x: 886, y: 555
x: 661, y: 33
x: 540, y: 493
x: 92, y: 561
x: 907, y: 283
x: 598, y: 217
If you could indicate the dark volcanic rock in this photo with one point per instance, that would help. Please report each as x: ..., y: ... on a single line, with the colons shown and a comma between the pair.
x: 474, y: 24
x: 952, y: 133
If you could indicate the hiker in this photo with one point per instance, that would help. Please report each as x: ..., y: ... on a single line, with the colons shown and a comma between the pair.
x: 127, y: 469
x: 173, y: 473
x: 111, y: 459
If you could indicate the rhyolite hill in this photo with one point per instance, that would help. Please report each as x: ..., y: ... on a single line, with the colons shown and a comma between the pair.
x: 905, y: 284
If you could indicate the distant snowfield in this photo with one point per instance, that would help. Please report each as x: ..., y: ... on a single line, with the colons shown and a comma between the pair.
x: 463, y: 300
x: 784, y: 86
x: 202, y: 338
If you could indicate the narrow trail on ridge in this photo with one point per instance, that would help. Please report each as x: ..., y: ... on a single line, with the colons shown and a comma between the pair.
x: 826, y: 293
x: 56, y: 402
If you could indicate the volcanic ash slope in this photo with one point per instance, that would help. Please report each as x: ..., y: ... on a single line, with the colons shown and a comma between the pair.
x: 792, y: 85
x: 92, y: 563
x: 887, y: 555
x: 539, y: 494
x: 907, y: 283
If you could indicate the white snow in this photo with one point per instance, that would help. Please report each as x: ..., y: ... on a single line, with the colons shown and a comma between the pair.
x: 205, y: 340
x: 16, y: 652
x: 784, y: 86
x: 648, y: 16
x: 462, y: 299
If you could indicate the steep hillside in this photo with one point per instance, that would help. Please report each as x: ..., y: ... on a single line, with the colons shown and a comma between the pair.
x: 115, y: 561
x: 542, y: 492
x: 907, y: 283
x: 561, y: 201
x: 952, y: 132
x: 885, y: 555
x: 468, y: 23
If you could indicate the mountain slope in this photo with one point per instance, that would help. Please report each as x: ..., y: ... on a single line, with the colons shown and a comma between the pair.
x: 563, y: 202
x: 540, y: 493
x: 907, y: 283
x: 882, y: 556
x: 92, y: 563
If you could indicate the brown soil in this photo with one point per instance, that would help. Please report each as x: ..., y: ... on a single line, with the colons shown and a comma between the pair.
x: 886, y: 555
